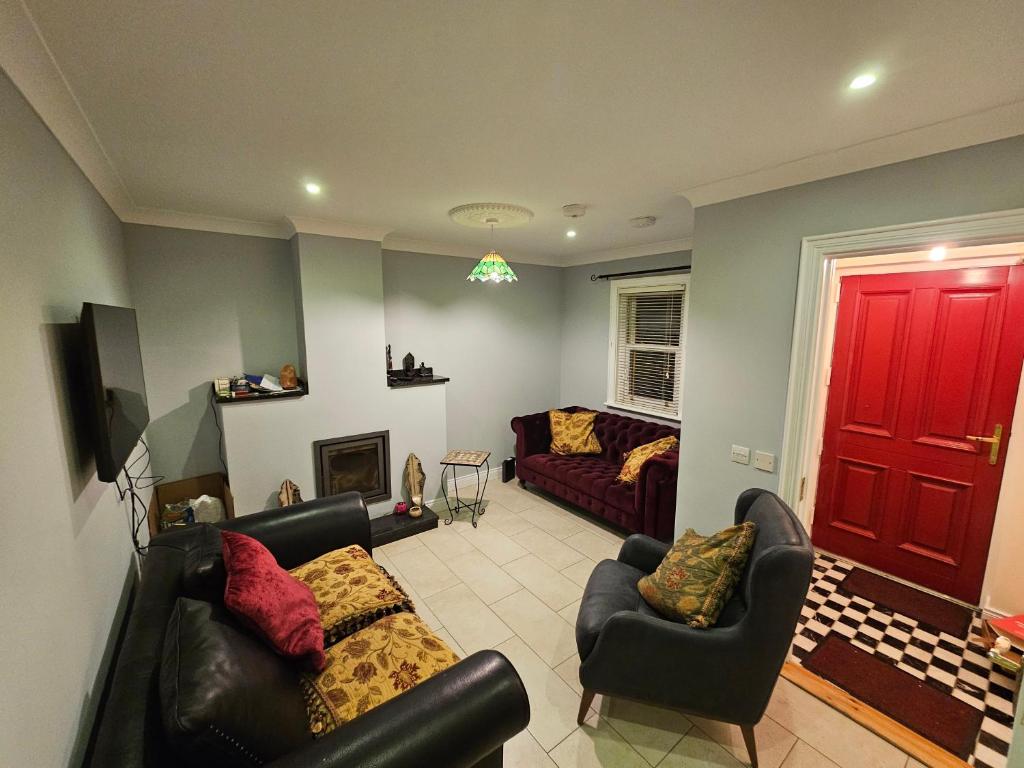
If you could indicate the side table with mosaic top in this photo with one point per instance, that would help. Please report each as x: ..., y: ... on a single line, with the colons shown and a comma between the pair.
x: 460, y: 458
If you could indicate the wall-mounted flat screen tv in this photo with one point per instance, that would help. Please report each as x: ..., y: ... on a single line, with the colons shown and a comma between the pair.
x: 116, y: 387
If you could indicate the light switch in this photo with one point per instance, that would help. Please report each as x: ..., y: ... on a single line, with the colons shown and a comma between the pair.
x: 764, y: 461
x: 740, y: 454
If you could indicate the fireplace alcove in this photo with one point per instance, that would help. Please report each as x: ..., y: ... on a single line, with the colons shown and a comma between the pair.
x: 354, y: 463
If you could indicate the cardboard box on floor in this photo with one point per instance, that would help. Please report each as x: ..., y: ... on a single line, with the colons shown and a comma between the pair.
x: 215, y: 484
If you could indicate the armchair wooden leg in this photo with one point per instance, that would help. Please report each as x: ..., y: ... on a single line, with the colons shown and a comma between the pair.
x: 748, y: 739
x: 585, y: 702
x: 522, y: 483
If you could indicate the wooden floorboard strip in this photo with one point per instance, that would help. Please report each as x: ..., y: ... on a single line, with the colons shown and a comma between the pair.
x: 895, y: 733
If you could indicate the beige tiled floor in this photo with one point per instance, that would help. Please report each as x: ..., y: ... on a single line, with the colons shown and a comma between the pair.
x: 514, y: 584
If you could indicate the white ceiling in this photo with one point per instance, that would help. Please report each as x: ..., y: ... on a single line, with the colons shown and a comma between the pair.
x: 403, y: 109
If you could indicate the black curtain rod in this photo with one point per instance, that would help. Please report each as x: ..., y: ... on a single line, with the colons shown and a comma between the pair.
x: 612, y: 275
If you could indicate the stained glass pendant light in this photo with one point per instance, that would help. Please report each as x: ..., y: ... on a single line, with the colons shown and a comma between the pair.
x: 492, y: 268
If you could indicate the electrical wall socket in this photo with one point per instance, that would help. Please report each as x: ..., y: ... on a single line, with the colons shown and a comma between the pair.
x: 740, y: 454
x: 764, y: 461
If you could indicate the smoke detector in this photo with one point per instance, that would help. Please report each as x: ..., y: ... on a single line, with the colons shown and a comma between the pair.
x: 640, y: 222
x: 574, y: 210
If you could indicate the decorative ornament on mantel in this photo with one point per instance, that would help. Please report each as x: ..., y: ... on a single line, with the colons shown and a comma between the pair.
x: 414, y: 480
x: 492, y: 268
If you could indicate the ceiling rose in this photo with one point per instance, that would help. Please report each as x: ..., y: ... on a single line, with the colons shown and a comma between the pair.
x: 485, y: 215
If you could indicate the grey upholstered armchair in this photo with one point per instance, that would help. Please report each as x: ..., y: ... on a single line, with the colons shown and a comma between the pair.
x: 727, y: 672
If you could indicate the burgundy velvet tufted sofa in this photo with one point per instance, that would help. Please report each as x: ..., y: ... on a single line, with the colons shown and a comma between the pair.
x: 648, y: 506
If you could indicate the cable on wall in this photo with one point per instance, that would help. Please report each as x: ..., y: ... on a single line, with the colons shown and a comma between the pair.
x: 134, y: 484
x: 220, y: 431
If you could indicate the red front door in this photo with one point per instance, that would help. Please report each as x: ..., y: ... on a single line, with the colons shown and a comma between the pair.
x: 924, y: 364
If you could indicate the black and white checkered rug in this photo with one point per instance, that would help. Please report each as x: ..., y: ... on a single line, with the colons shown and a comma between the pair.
x: 950, y: 664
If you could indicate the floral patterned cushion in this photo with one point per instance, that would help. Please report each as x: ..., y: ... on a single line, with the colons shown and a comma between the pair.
x: 373, y: 666
x: 351, y: 591
x: 698, y: 575
x: 635, y: 459
x: 573, y: 433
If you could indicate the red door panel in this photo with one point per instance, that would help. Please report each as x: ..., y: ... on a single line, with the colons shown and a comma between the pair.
x: 876, y: 362
x: 934, y: 515
x: 959, y: 365
x: 859, y: 498
x: 922, y: 363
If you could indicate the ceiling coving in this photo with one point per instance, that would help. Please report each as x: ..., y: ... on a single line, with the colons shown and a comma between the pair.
x: 220, y: 115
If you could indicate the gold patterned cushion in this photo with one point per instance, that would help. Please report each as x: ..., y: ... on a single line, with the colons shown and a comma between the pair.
x: 351, y: 591
x: 698, y: 575
x: 373, y: 666
x: 635, y: 459
x: 573, y: 433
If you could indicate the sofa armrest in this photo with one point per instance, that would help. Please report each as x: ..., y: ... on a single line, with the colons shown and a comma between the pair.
x: 744, y: 502
x: 533, y: 434
x: 643, y: 552
x: 456, y: 719
x: 655, y: 498
x: 302, y: 532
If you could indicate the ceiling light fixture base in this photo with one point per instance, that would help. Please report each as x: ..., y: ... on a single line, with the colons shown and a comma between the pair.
x: 490, y: 215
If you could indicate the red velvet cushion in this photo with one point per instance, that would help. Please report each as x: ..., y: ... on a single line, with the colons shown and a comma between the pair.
x: 275, y: 603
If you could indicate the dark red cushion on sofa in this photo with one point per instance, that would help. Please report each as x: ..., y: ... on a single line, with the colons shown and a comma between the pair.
x: 271, y: 600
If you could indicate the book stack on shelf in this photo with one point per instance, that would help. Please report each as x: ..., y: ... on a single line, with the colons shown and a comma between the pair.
x: 229, y: 389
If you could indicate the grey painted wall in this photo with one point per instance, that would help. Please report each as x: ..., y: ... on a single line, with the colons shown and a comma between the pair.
x: 745, y: 260
x: 65, y: 552
x: 209, y: 304
x: 585, y: 307
x: 499, y: 343
x: 343, y: 309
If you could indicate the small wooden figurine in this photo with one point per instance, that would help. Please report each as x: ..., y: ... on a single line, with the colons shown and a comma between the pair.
x: 288, y: 378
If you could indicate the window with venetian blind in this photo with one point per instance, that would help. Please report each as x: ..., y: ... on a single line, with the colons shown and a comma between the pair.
x: 648, y: 345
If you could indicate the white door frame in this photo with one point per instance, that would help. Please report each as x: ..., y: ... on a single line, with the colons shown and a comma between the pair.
x: 807, y: 367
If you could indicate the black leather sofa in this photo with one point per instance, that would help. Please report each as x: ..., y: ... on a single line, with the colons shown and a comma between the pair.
x: 460, y: 717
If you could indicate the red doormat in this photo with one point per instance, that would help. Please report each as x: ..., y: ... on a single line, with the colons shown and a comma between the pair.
x: 940, y: 718
x: 943, y: 615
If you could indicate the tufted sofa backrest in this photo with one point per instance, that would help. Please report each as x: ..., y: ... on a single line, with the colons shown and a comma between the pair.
x: 619, y: 434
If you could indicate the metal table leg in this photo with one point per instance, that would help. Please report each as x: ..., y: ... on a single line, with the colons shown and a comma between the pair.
x: 478, y: 507
x: 444, y: 492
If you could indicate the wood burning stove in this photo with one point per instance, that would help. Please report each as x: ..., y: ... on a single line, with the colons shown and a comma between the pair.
x: 354, y: 463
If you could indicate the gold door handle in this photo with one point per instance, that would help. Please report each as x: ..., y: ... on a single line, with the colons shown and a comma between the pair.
x: 997, y: 437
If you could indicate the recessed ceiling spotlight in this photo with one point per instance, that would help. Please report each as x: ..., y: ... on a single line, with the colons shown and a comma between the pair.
x: 313, y: 188
x: 938, y: 253
x: 863, y: 81
x: 571, y: 233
